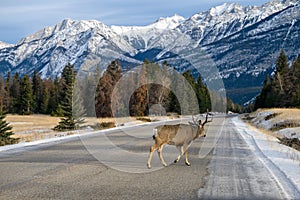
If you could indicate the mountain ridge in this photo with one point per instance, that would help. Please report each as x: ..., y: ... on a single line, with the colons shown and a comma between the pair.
x: 226, y: 33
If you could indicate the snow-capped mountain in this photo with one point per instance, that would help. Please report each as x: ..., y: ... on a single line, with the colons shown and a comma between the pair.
x: 69, y: 41
x: 242, y: 41
x: 4, y: 45
x: 144, y: 37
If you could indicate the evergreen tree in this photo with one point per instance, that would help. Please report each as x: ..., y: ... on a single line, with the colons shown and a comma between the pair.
x: 295, y: 83
x: 203, y: 95
x: 54, y: 98
x: 190, y: 104
x: 282, y: 63
x: 45, y: 101
x: 283, y: 89
x: 5, y: 132
x: 174, y: 105
x: 279, y: 93
x: 264, y: 100
x: 14, y: 92
x: 69, y: 121
x: 7, y: 91
x: 3, y: 96
x: 37, y: 91
x: 26, y: 98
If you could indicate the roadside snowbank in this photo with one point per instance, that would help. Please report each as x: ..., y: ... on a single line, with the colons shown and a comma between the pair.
x: 283, y: 162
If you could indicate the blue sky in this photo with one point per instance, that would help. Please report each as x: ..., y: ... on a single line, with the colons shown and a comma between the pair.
x: 18, y: 18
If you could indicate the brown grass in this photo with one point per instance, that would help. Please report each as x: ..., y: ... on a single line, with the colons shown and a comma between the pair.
x: 28, y: 123
x: 37, y: 127
x: 291, y: 115
x: 285, y: 114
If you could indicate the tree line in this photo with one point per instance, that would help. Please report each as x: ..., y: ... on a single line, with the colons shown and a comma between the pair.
x: 25, y: 95
x: 151, y: 84
x: 282, y: 89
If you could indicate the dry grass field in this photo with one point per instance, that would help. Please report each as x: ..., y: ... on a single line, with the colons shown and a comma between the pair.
x: 36, y: 127
x: 267, y: 118
x: 32, y: 127
x: 287, y: 114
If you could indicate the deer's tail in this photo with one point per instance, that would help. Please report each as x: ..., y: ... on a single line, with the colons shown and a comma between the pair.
x: 154, y: 133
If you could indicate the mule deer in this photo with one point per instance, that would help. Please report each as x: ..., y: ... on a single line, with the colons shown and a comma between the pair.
x: 180, y: 135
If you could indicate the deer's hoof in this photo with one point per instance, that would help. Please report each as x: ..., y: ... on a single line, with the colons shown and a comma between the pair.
x: 188, y: 164
x: 149, y: 166
x: 175, y: 161
x: 165, y: 165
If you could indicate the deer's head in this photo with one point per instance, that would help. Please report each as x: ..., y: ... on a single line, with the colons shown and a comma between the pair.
x: 198, y: 123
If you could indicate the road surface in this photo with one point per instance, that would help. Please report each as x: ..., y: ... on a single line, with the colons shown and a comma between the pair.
x: 92, y: 168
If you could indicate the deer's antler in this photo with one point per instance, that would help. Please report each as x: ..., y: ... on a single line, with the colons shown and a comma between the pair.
x: 206, y: 119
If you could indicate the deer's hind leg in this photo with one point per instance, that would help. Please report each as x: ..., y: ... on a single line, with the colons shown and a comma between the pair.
x: 180, y: 149
x: 159, y: 151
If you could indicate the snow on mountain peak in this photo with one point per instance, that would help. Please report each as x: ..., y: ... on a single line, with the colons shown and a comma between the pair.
x: 230, y: 8
x: 4, y: 45
x: 168, y: 22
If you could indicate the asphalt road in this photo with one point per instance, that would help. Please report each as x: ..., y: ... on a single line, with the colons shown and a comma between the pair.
x: 113, y: 166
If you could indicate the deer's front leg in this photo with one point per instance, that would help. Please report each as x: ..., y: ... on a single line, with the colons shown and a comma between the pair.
x: 187, y: 159
x: 185, y: 148
x: 180, y: 149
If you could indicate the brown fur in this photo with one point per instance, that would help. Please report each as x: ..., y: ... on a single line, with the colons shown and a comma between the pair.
x: 180, y: 135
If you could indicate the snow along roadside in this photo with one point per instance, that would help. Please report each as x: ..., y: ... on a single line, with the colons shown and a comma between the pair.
x: 282, y: 162
x: 76, y: 135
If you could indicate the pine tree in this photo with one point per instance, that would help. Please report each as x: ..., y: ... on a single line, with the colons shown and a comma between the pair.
x: 190, y: 102
x: 26, y: 98
x: 5, y: 132
x: 45, y: 101
x: 264, y: 100
x: 283, y: 89
x: 37, y: 92
x: 278, y: 83
x: 54, y: 98
x: 78, y: 108
x: 295, y: 89
x: 6, y: 103
x: 3, y: 96
x: 203, y: 95
x: 174, y: 105
x: 14, y: 92
x: 68, y: 122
